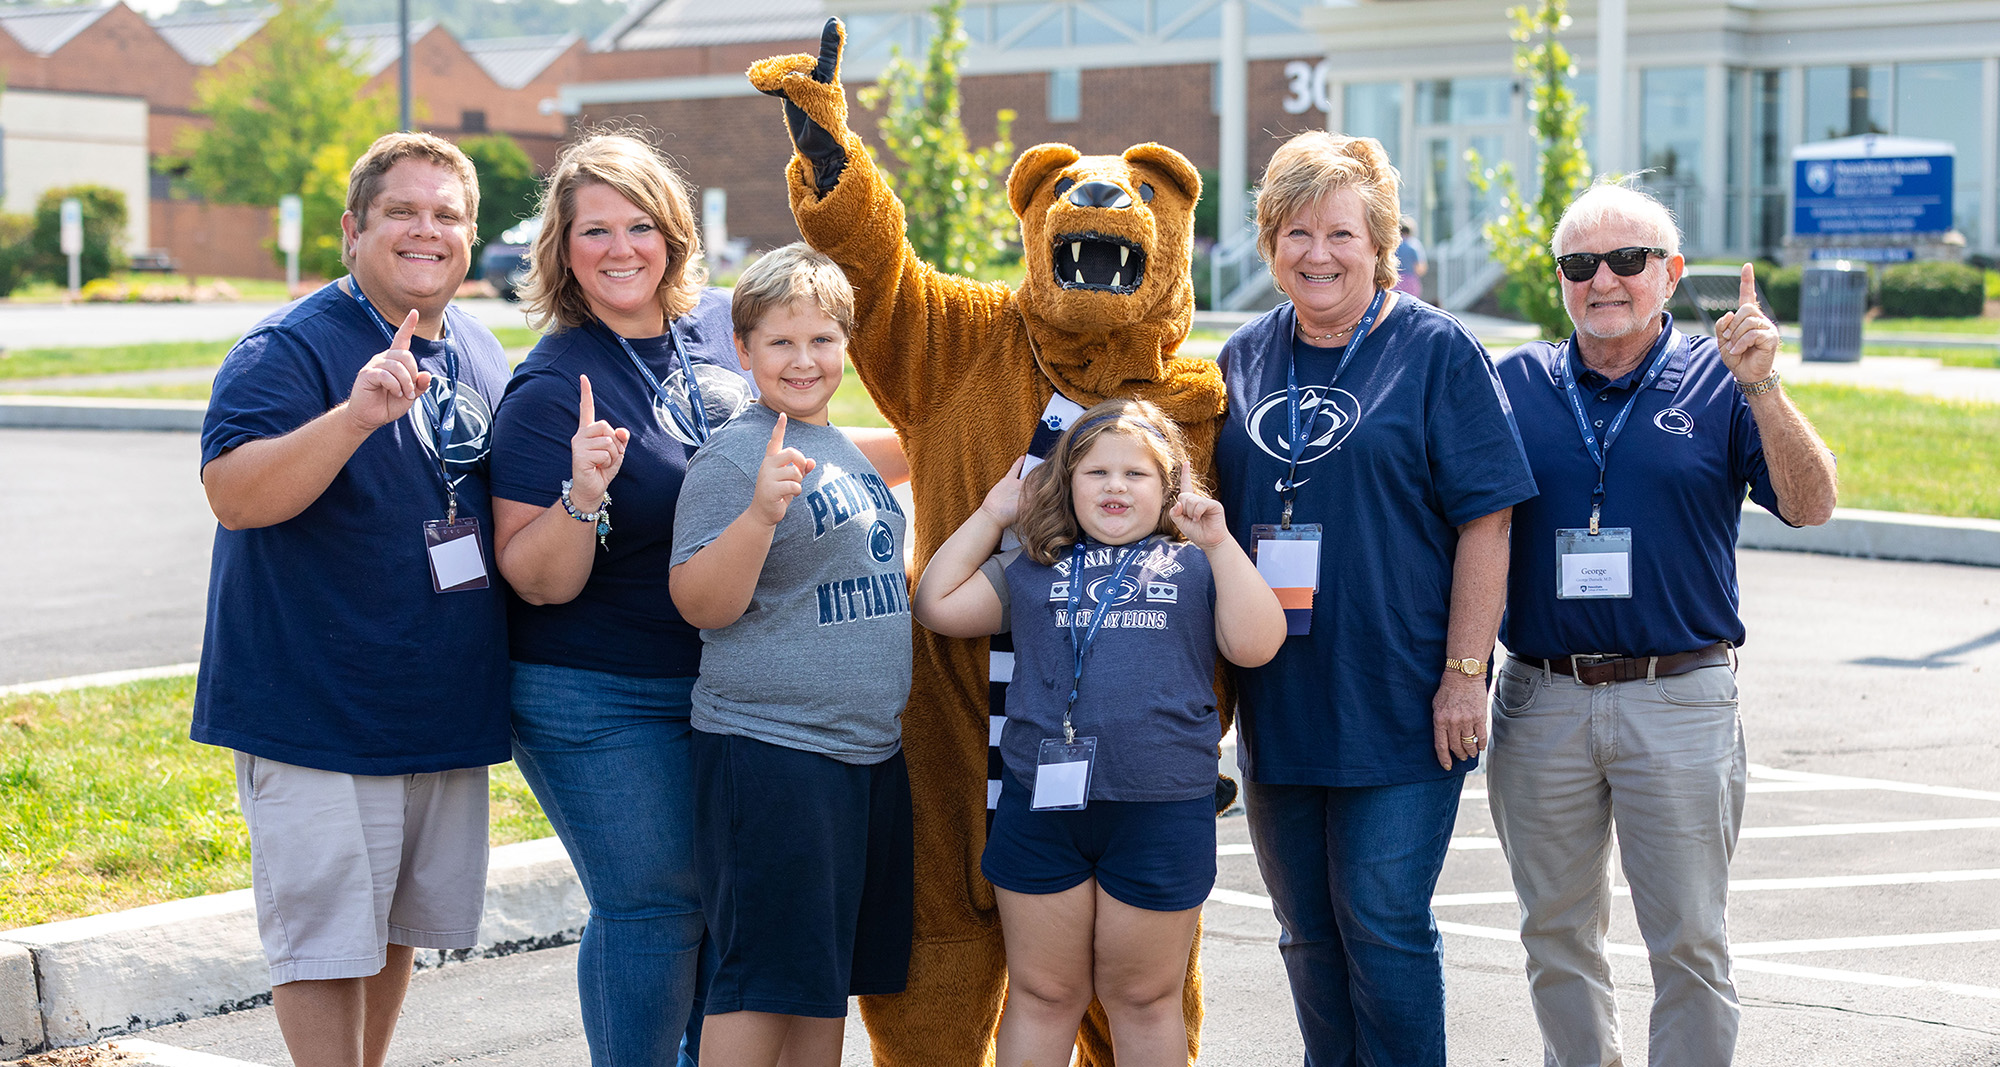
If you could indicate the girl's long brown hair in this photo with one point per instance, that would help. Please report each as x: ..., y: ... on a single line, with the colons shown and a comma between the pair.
x: 1047, y: 525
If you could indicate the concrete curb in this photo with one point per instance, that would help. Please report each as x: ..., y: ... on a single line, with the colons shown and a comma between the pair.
x: 1880, y: 535
x: 33, y: 412
x: 85, y: 980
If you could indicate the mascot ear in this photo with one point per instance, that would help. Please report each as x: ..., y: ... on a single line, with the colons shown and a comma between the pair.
x: 1036, y: 164
x: 1171, y: 163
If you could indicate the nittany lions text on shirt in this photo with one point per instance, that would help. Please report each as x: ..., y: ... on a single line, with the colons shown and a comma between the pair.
x: 821, y: 659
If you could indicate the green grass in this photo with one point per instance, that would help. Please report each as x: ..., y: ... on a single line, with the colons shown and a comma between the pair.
x: 105, y: 804
x: 1980, y: 326
x: 851, y: 405
x: 1950, y: 357
x: 1908, y: 453
x: 113, y: 359
x: 45, y: 292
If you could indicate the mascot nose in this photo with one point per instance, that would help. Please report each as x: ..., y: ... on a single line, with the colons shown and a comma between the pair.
x: 1100, y: 194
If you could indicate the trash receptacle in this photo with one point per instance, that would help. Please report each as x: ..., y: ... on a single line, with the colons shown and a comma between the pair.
x: 1833, y: 297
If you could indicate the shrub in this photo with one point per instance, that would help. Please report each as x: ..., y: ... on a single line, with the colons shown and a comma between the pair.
x: 507, y: 186
x: 103, y: 232
x: 16, y: 248
x: 1781, y: 289
x: 1932, y: 290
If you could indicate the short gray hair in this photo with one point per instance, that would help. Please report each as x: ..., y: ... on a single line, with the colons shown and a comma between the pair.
x: 1609, y: 198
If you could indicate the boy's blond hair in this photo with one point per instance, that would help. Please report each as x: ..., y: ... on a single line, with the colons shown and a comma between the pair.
x: 793, y: 273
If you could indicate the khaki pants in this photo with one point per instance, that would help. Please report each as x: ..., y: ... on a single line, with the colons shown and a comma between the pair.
x: 1663, y: 760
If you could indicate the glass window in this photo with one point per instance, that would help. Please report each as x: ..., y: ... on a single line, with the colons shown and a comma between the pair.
x: 1736, y: 83
x: 1040, y: 25
x: 1940, y: 101
x: 869, y: 36
x: 1065, y: 94
x: 1584, y: 85
x: 1375, y: 109
x: 1205, y: 26
x: 1770, y: 164
x: 1672, y: 102
x: 1464, y: 101
x: 1846, y: 101
x: 1111, y: 22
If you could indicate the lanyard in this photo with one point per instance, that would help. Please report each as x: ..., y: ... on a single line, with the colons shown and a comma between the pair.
x: 1289, y: 488
x: 1599, y: 453
x: 1080, y: 645
x: 444, y: 421
x: 697, y: 430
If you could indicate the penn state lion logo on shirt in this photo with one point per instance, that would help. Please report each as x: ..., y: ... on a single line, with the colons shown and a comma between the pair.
x: 724, y: 395
x: 470, y: 433
x: 1326, y: 418
x: 1675, y: 421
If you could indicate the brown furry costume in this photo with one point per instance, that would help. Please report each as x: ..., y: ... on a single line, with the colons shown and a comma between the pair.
x: 963, y: 371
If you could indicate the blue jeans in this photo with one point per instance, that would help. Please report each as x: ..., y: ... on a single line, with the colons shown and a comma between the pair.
x: 607, y: 755
x: 1351, y: 872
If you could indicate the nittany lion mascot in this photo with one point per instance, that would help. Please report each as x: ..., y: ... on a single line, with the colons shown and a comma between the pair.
x: 974, y: 375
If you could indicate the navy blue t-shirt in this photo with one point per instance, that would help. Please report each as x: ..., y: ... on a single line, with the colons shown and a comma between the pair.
x: 623, y: 621
x: 1413, y: 441
x: 1676, y: 476
x: 1148, y: 692
x: 326, y: 646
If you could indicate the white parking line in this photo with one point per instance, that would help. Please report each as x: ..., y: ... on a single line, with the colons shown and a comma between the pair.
x: 1837, y: 944
x: 1742, y: 885
x: 1838, y: 781
x: 160, y: 1055
x: 1487, y: 844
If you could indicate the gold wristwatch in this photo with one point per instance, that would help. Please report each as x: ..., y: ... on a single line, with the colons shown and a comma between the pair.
x: 1471, y: 668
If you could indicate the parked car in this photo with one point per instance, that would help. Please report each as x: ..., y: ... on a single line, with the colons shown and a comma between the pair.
x: 504, y: 263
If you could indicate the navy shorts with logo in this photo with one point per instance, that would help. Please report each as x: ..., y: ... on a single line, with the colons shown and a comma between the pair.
x: 1155, y: 855
x: 807, y: 870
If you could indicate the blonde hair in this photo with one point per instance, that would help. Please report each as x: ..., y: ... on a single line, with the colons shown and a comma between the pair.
x: 1316, y: 163
x: 1047, y: 525
x: 793, y: 273
x: 551, y: 296
x: 364, y: 180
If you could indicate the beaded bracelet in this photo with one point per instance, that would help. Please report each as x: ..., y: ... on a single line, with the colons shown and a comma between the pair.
x: 602, y: 516
x: 1759, y: 388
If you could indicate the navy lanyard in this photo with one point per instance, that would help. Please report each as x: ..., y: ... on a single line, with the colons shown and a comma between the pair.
x: 1599, y: 453
x: 698, y: 429
x: 445, y: 422
x: 1289, y: 488
x: 1081, y: 644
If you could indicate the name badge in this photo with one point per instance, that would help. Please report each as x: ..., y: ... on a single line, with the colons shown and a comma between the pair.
x: 1594, y: 566
x: 1062, y: 774
x: 457, y: 563
x: 1288, y: 560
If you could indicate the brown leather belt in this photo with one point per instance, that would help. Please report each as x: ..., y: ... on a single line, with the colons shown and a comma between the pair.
x: 1600, y: 669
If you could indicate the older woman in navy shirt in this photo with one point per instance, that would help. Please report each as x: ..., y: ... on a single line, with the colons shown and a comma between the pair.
x: 638, y: 366
x: 1367, y: 441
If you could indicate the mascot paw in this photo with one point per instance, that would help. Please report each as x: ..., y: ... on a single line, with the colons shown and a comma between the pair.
x: 1225, y: 793
x: 815, y: 103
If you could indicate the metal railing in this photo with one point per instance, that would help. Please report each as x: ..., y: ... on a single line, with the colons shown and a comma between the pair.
x: 1236, y: 276
x: 1463, y: 267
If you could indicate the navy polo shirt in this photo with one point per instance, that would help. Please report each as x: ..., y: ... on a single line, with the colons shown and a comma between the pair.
x: 1676, y: 476
x: 624, y: 621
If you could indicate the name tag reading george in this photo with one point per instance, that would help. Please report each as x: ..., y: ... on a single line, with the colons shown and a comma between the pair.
x: 1062, y: 774
x: 1594, y: 566
x: 1288, y: 559
x: 457, y: 564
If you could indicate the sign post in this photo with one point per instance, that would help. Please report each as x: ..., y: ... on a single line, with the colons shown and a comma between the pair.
x: 72, y: 242
x: 291, y: 214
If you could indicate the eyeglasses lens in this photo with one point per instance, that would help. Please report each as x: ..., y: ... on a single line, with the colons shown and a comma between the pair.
x: 1624, y: 262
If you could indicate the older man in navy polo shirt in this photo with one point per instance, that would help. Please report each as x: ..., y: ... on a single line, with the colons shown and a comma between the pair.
x: 1618, y: 702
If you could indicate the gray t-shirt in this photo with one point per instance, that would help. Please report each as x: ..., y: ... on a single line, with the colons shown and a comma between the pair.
x: 821, y: 659
x: 1148, y: 692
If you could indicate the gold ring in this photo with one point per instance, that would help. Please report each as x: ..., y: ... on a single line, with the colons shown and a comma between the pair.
x: 1473, y: 740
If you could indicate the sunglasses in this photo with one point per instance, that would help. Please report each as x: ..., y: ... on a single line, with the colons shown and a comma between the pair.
x: 1624, y: 262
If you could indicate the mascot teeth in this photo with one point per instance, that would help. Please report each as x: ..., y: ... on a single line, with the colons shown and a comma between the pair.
x: 1098, y: 262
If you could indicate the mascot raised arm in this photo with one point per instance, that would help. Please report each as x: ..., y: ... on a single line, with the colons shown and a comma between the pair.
x: 974, y: 375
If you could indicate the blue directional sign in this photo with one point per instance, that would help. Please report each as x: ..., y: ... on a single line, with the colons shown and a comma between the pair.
x: 1872, y: 185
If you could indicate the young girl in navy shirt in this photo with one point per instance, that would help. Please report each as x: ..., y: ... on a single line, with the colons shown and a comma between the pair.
x: 1125, y: 585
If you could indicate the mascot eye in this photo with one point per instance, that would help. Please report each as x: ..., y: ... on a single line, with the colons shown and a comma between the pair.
x: 1064, y: 186
x: 1146, y: 192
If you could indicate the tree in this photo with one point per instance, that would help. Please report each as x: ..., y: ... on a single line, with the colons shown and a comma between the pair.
x: 293, y: 100
x: 1520, y: 232
x: 103, y: 232
x: 507, y: 186
x: 954, y: 196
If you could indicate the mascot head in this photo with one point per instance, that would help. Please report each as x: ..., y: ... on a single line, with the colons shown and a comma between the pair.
x: 1107, y: 241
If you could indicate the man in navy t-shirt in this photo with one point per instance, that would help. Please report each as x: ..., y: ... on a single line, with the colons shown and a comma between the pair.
x: 1618, y: 702
x: 355, y: 655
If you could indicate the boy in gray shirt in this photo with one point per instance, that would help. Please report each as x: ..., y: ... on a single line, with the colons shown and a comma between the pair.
x: 788, y: 554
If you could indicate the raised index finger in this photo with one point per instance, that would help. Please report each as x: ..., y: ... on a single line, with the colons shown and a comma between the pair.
x: 1187, y: 477
x: 1749, y: 289
x: 586, y: 407
x: 777, y: 437
x: 403, y: 332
